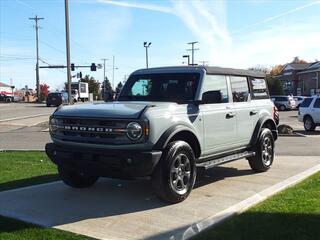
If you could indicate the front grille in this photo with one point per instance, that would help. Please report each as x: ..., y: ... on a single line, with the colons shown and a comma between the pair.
x: 92, y: 130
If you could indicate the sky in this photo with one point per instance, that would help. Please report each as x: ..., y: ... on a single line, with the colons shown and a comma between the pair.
x: 231, y: 33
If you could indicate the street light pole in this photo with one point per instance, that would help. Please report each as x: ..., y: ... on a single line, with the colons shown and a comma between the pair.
x: 147, y: 45
x: 66, y: 4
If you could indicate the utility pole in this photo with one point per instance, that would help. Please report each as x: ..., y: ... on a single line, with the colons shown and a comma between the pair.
x: 113, y: 60
x: 36, y: 19
x: 147, y: 45
x: 66, y: 7
x: 192, y: 50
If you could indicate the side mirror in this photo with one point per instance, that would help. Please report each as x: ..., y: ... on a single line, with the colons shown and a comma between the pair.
x: 212, y: 97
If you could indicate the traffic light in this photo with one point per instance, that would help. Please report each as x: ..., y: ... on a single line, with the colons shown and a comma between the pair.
x: 72, y: 66
x: 93, y: 67
x: 80, y: 74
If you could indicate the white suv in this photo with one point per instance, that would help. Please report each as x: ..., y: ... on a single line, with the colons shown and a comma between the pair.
x: 309, y: 113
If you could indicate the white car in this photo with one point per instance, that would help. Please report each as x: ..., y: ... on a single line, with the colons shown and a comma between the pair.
x: 309, y: 113
x: 299, y: 100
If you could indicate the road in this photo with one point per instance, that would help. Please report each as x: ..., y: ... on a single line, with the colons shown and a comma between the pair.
x: 19, y: 110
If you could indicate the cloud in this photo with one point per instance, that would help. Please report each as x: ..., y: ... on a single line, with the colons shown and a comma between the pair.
x: 269, y: 19
x: 146, y: 6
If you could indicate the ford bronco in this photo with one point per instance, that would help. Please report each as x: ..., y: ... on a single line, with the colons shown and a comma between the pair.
x: 166, y: 123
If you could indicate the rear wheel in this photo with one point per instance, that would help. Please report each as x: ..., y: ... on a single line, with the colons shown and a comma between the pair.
x: 309, y: 124
x: 282, y: 108
x: 175, y: 174
x: 264, y: 150
x: 75, y: 179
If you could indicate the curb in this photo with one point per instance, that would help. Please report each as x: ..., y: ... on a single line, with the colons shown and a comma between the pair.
x: 245, y: 204
x: 22, y: 150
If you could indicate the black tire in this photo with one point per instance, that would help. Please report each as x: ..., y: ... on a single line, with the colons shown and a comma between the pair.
x: 309, y: 124
x: 264, y: 150
x: 282, y: 108
x: 75, y: 179
x: 175, y: 174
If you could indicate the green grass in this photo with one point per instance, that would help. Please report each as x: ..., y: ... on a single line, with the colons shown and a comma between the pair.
x: 21, y: 169
x: 292, y: 214
x: 11, y: 229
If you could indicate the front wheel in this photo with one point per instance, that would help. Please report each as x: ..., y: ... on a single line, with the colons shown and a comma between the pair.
x: 264, y: 150
x: 175, y: 174
x: 75, y: 179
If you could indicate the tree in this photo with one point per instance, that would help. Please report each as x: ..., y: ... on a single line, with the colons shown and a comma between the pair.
x: 274, y: 85
x: 107, y: 90
x: 44, y: 91
x: 94, y: 86
x: 298, y: 60
x: 119, y: 87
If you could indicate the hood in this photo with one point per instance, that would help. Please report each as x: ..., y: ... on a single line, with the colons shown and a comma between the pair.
x: 103, y: 110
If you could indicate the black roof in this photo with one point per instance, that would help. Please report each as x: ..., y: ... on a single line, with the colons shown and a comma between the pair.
x: 234, y: 71
x: 208, y: 69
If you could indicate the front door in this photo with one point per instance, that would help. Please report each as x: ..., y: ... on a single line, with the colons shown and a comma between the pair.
x: 219, y: 118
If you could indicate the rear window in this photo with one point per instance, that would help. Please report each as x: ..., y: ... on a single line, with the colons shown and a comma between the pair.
x: 259, y: 88
x: 281, y: 99
x: 54, y: 95
x: 306, y: 102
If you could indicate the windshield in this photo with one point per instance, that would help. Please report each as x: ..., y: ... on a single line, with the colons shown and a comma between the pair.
x: 173, y: 87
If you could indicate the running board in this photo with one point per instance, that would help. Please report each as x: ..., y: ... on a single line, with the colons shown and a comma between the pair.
x: 215, y: 162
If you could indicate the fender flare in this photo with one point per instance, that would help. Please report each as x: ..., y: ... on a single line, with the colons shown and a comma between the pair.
x: 170, y: 133
x: 258, y: 127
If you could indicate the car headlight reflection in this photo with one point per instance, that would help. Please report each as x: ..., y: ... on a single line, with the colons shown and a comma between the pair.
x: 134, y: 131
x: 53, y: 125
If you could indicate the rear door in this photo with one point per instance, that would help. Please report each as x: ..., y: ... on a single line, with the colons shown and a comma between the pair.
x: 246, y: 114
x: 219, y: 118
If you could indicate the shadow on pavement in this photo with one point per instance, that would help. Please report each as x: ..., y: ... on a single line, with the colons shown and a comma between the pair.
x: 28, y: 182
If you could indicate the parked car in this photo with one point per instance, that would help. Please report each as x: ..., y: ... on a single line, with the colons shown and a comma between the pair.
x: 57, y: 98
x: 6, y: 98
x: 309, y: 113
x: 298, y: 100
x: 166, y: 123
x: 284, y: 102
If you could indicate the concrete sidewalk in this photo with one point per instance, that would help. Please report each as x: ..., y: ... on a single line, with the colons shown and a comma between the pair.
x: 115, y: 209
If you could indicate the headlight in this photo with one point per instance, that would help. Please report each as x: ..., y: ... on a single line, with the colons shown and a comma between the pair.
x: 134, y: 131
x: 53, y: 124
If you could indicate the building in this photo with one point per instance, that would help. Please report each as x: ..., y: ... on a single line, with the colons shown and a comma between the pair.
x: 5, y: 89
x: 300, y: 79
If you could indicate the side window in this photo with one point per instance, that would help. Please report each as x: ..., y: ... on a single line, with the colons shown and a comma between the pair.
x: 240, y: 89
x: 317, y: 103
x: 306, y: 102
x: 141, y: 87
x: 217, y: 83
x: 259, y: 88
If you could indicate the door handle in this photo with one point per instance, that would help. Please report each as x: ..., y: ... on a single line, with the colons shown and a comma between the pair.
x: 253, y: 112
x: 230, y: 115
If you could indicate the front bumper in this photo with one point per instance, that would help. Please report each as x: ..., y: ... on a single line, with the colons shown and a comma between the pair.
x: 104, y: 162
